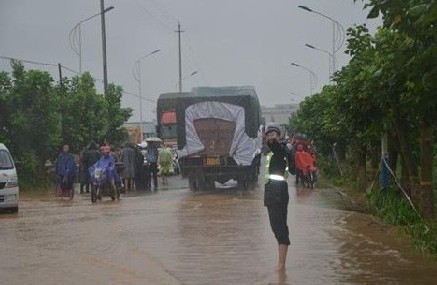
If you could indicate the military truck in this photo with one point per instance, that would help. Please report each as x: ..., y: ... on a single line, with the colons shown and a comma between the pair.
x: 167, y: 119
x: 219, y: 136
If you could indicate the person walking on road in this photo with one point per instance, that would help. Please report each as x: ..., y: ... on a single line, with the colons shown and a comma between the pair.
x: 128, y: 159
x: 276, y: 190
x: 165, y: 159
x: 66, y: 173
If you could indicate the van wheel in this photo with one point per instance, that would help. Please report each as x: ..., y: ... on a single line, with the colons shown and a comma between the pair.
x: 14, y: 209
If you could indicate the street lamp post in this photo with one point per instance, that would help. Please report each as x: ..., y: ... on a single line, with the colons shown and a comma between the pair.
x: 312, y: 75
x: 76, y: 35
x: 337, y: 33
x: 137, y: 76
x: 330, y: 56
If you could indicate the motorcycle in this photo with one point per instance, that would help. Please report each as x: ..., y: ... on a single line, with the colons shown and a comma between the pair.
x: 101, y: 185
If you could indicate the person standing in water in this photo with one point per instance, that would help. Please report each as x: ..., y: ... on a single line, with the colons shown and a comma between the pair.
x: 276, y: 190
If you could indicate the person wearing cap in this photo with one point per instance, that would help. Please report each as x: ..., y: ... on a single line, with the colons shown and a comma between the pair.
x: 276, y: 190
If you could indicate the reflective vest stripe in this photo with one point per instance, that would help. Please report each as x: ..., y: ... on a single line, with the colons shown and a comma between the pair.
x: 275, y: 177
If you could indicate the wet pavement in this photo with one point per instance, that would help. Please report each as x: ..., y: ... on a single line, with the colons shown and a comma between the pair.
x: 176, y: 236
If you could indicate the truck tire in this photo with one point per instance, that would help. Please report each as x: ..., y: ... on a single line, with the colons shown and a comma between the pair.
x: 197, y: 181
x: 209, y: 183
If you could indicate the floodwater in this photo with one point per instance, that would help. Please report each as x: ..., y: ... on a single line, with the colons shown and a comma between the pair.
x: 176, y: 236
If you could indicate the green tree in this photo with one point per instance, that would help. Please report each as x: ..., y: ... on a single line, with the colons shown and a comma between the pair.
x: 84, y: 112
x: 116, y: 115
x: 31, y: 122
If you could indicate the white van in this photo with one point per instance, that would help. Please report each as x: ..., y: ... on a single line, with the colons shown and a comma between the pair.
x: 9, y: 192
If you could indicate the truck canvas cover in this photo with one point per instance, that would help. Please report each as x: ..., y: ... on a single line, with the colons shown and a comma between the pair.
x: 234, y: 104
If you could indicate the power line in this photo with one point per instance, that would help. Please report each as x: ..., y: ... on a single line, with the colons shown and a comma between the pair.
x: 164, y: 12
x: 39, y: 63
x: 157, y: 20
x: 193, y: 57
x: 29, y: 61
x: 138, y: 96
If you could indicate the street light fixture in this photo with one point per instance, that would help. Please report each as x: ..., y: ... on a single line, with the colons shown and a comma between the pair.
x: 299, y: 98
x: 75, y: 36
x: 137, y: 75
x: 330, y: 56
x: 338, y: 33
x: 192, y: 74
x: 312, y: 75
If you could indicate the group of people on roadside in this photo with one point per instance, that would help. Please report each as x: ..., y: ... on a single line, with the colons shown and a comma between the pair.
x: 138, y: 171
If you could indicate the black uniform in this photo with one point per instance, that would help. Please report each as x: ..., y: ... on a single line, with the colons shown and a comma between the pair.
x: 276, y: 191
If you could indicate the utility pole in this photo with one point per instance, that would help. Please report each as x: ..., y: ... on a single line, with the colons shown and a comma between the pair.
x: 334, y: 24
x: 105, y: 68
x: 60, y: 73
x: 80, y: 49
x: 180, y: 56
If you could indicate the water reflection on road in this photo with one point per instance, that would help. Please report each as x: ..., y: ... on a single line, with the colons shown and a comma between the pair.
x: 221, y: 237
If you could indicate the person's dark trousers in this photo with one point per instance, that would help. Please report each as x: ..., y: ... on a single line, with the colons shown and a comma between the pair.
x: 147, y: 177
x: 153, y: 174
x: 86, y: 186
x: 299, y: 176
x: 276, y: 200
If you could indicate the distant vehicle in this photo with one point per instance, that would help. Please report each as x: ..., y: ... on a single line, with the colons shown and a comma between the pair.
x: 167, y: 119
x: 9, y: 191
x: 219, y: 136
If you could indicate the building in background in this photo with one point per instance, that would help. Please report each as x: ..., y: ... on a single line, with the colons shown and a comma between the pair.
x: 279, y: 114
x: 134, y: 130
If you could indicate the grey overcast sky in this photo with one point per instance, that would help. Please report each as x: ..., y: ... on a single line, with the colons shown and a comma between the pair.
x: 228, y: 42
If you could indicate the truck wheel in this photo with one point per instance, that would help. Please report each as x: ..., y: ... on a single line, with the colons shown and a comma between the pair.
x: 192, y: 183
x: 200, y: 182
x: 209, y: 183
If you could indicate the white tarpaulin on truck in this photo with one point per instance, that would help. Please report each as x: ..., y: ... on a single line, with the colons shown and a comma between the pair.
x: 243, y: 147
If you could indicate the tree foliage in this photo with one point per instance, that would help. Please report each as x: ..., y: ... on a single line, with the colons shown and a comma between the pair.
x: 37, y: 116
x: 387, y: 87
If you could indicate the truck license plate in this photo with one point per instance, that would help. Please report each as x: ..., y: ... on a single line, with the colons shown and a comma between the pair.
x: 212, y: 161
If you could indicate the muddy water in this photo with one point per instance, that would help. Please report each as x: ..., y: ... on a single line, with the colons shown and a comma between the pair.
x: 221, y: 237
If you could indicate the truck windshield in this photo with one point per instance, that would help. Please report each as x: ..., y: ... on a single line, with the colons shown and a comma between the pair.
x: 168, y: 131
x: 5, y: 160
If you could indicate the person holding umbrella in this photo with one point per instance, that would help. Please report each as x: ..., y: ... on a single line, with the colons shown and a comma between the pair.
x: 152, y: 160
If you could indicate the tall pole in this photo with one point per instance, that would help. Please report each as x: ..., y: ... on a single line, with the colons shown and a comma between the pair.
x: 105, y: 68
x: 141, y: 99
x: 137, y: 75
x: 333, y: 45
x: 337, y: 43
x: 180, y: 56
x: 76, y: 36
x: 312, y: 76
x: 60, y: 74
x: 80, y: 48
x: 330, y: 57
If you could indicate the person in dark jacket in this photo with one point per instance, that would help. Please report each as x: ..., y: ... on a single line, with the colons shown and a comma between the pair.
x: 276, y: 190
x: 140, y: 170
x: 89, y: 156
x: 152, y: 160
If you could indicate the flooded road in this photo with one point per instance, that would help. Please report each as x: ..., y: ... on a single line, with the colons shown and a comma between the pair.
x: 176, y: 236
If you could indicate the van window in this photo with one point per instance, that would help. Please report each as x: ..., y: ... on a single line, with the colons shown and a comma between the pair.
x: 5, y: 160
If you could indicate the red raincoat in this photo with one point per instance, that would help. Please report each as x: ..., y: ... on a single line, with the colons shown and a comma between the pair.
x: 303, y: 160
